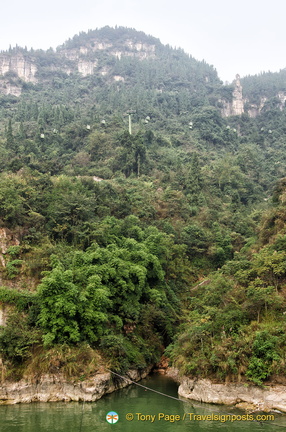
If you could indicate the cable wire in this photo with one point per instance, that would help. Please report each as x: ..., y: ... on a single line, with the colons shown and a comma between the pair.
x: 171, y: 397
x: 146, y: 388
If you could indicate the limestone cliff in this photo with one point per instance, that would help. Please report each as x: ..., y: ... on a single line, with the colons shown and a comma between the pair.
x: 86, y: 63
x: 127, y: 48
x: 51, y: 388
x: 241, y: 395
x: 255, y: 109
x: 18, y: 67
x: 9, y: 88
x: 240, y: 104
x: 23, y: 66
x: 7, y: 239
x: 236, y: 105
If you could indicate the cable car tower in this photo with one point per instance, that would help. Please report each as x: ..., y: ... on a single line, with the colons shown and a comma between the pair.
x: 129, y: 113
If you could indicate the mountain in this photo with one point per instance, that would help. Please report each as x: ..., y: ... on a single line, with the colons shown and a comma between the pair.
x: 96, y: 77
x: 122, y: 57
x: 113, y: 58
x: 129, y: 174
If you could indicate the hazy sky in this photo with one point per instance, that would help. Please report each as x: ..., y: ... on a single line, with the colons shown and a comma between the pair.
x: 244, y: 37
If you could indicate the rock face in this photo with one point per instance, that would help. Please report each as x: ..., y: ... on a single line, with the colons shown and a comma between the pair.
x: 257, y: 398
x: 52, y: 388
x: 236, y: 106
x: 129, y: 48
x: 7, y: 239
x: 16, y: 66
x: 255, y: 109
x: 22, y: 66
x: 237, y: 103
x: 137, y: 49
x: 8, y: 88
x: 19, y: 66
x: 87, y: 66
x: 5, y: 310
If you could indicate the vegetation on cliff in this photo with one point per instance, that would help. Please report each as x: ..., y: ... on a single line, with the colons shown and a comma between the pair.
x: 107, y: 236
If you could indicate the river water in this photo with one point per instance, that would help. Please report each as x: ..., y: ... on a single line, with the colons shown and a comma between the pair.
x: 145, y: 411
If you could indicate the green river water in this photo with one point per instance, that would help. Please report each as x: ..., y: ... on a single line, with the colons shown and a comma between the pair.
x: 150, y: 411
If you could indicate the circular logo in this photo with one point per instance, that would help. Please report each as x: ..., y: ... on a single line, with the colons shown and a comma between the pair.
x: 112, y: 417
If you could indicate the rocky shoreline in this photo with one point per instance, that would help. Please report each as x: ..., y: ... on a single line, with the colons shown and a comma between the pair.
x: 54, y: 388
x: 241, y: 395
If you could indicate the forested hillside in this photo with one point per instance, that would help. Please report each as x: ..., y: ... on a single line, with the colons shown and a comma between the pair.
x: 134, y: 216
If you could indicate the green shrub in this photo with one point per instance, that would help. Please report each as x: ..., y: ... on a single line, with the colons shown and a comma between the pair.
x: 17, y: 338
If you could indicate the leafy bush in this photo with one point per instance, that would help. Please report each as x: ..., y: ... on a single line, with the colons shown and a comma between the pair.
x: 17, y: 338
x: 85, y: 293
x: 265, y: 352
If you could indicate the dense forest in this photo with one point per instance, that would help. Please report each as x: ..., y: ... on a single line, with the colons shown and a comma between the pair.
x: 136, y: 219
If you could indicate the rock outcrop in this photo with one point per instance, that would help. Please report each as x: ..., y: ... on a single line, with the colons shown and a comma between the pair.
x: 255, y: 109
x: 8, y: 88
x: 52, y: 388
x: 18, y: 64
x: 239, y: 104
x: 87, y: 65
x: 7, y: 239
x: 4, y: 311
x: 265, y: 398
x: 236, y: 106
x: 16, y: 68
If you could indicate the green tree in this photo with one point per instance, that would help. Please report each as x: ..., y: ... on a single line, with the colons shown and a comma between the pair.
x: 11, y: 143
